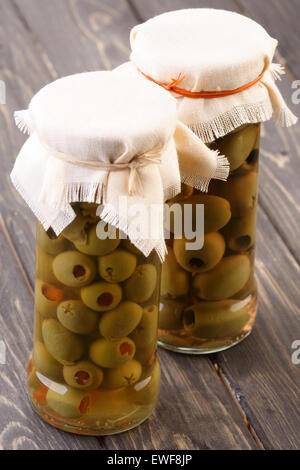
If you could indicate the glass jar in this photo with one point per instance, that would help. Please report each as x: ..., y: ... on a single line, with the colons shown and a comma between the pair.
x: 94, y: 368
x: 209, y: 297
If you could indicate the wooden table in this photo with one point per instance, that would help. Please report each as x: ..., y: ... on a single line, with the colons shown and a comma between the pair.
x: 245, y: 398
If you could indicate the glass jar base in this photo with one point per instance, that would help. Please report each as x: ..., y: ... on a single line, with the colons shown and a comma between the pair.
x: 204, y: 349
x: 84, y: 429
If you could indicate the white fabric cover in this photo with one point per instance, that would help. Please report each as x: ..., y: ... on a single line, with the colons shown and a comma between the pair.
x: 215, y: 50
x: 81, y: 124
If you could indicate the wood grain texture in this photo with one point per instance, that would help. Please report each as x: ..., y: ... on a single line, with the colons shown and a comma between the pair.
x: 193, y: 412
x: 20, y: 427
x: 260, y: 371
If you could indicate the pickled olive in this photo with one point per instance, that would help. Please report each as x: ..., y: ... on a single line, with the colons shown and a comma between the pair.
x: 174, y: 280
x: 148, y: 388
x: 240, y: 190
x: 63, y: 345
x: 44, y: 269
x: 238, y: 146
x: 170, y: 314
x: 199, y: 261
x: 224, y: 280
x: 186, y: 192
x: 77, y: 317
x: 117, y: 266
x: 50, y: 244
x: 141, y: 285
x: 47, y: 298
x: 252, y: 160
x: 89, y: 210
x: 96, y: 246
x: 121, y: 321
x: 83, y: 375
x: 74, y: 269
x: 101, y: 296
x: 215, y: 319
x: 70, y: 403
x: 110, y: 354
x: 45, y: 363
x: 217, y: 212
x: 145, y: 334
x: 240, y: 233
x: 123, y: 376
x: 127, y: 245
x: 249, y: 288
x: 76, y: 231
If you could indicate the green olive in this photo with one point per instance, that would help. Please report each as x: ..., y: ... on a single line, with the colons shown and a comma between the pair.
x: 74, y: 269
x: 200, y: 261
x: 47, y: 298
x: 77, y: 317
x: 145, y: 335
x: 89, y: 209
x: 141, y: 285
x: 240, y: 190
x: 50, y: 244
x: 224, y: 280
x: 121, y: 321
x: 249, y: 288
x: 117, y: 266
x: 240, y: 233
x: 214, y: 320
x: 251, y: 162
x: 123, y: 376
x: 174, y: 280
x: 170, y: 314
x: 76, y: 231
x: 83, y: 375
x: 217, y: 212
x: 96, y: 246
x: 127, y: 245
x: 69, y: 403
x: 45, y: 363
x: 111, y: 354
x: 101, y: 296
x: 63, y: 345
x: 44, y: 269
x: 237, y: 147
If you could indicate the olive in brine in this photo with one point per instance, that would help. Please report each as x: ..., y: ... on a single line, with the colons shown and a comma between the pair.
x: 213, y: 320
x: 109, y: 354
x: 145, y: 335
x: 47, y: 298
x: 50, y: 244
x: 63, y: 345
x: 174, y: 279
x: 121, y: 321
x: 170, y: 314
x: 237, y: 147
x: 249, y: 288
x: 74, y: 269
x: 141, y: 285
x: 70, y: 403
x: 127, y: 245
x: 84, y: 375
x: 76, y: 231
x: 240, y: 233
x: 101, y: 296
x: 77, y: 317
x: 117, y: 266
x: 217, y: 212
x: 224, y: 280
x: 123, y: 376
x: 44, y: 269
x: 45, y: 363
x: 202, y: 260
x: 96, y: 246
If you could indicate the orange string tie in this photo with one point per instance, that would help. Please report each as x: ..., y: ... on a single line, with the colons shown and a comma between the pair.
x: 175, y: 81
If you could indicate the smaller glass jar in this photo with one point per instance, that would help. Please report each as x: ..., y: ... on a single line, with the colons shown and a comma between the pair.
x: 209, y: 297
x: 94, y: 368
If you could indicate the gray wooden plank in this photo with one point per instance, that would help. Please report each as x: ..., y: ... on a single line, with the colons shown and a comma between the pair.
x: 20, y: 427
x: 193, y: 412
x: 260, y: 371
x: 281, y: 19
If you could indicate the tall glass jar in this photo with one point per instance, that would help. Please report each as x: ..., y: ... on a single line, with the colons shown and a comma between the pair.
x: 94, y: 368
x: 209, y: 297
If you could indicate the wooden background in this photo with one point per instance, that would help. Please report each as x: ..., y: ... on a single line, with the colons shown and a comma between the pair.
x: 245, y: 398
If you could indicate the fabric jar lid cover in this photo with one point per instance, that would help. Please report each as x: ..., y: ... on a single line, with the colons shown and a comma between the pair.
x: 212, y: 50
x: 95, y: 137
